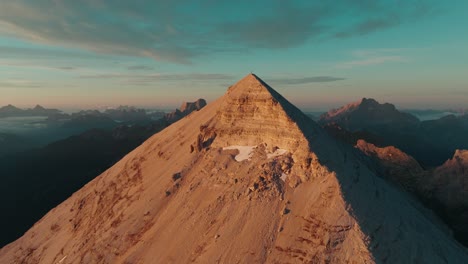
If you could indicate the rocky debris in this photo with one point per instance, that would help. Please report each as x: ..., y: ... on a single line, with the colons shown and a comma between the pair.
x: 205, y: 138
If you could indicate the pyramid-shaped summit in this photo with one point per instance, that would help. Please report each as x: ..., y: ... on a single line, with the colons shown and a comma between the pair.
x: 252, y: 95
x: 247, y: 179
x: 253, y: 113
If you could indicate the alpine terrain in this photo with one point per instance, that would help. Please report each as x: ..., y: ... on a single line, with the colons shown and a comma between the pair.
x: 247, y: 179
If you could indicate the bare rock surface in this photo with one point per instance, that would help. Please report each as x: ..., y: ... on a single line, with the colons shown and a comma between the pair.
x: 395, y: 165
x: 183, y: 197
x: 448, y: 187
x: 185, y: 109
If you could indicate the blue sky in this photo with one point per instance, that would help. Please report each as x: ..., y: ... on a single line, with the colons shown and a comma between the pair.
x: 318, y: 54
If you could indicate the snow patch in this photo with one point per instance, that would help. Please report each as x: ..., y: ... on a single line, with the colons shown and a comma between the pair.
x: 245, y: 152
x: 277, y: 153
x: 284, y: 176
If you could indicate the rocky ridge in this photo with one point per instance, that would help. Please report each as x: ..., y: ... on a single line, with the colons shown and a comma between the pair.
x: 182, y: 197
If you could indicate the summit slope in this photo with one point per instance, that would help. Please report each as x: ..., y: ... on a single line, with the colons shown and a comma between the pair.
x: 298, y: 197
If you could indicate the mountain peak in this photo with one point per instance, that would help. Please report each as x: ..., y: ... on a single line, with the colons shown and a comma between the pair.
x: 367, y: 110
x: 247, y: 179
x: 253, y: 90
x: 248, y: 82
x: 367, y: 101
x: 9, y: 107
x: 252, y: 113
x: 38, y: 107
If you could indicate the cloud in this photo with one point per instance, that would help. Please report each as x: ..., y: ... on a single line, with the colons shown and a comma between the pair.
x: 147, y: 79
x: 377, y: 52
x: 373, y: 57
x: 180, y: 31
x: 66, y: 68
x: 284, y: 27
x: 35, y: 65
x: 140, y: 68
x: 304, y: 80
x: 20, y: 83
x: 371, y: 61
x: 40, y: 53
x: 381, y: 15
x: 368, y: 26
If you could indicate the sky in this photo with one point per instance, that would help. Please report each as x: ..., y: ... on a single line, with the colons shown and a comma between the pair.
x: 158, y: 53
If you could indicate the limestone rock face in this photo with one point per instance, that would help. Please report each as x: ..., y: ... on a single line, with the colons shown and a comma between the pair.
x: 185, y: 109
x: 247, y: 179
x: 188, y: 107
x: 394, y: 164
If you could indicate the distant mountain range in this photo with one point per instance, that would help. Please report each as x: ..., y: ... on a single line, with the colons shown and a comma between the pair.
x: 57, y: 125
x: 431, y: 142
x: 12, y: 111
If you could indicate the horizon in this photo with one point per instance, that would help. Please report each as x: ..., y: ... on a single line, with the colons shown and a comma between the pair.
x: 80, y: 55
x: 171, y: 107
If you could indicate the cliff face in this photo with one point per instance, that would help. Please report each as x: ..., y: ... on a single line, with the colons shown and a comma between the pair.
x: 247, y: 179
x: 448, y: 187
x: 188, y: 107
x: 451, y: 180
x: 395, y: 165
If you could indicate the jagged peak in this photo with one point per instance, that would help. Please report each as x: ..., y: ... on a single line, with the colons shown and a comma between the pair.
x: 191, y: 106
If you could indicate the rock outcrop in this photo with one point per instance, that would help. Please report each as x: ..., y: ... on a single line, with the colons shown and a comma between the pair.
x: 394, y: 164
x: 448, y: 188
x: 185, y: 109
